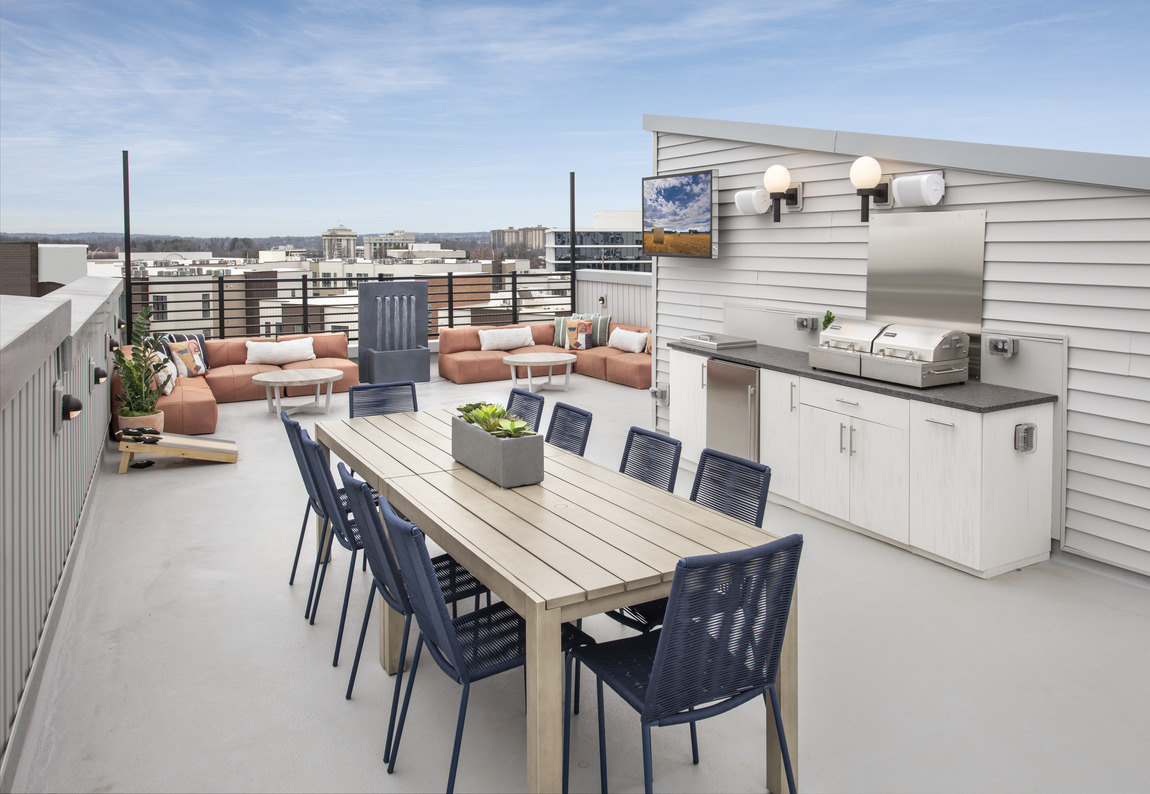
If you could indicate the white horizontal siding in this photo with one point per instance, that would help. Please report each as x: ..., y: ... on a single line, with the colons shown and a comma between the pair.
x: 1061, y: 258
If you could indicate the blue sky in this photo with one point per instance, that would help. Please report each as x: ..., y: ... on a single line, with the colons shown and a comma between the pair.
x: 263, y: 118
x: 678, y: 203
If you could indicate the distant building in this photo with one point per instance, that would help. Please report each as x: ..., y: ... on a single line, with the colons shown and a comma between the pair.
x: 339, y: 243
x: 615, y: 242
x: 376, y: 246
x: 35, y: 269
x: 531, y: 237
x: 283, y: 253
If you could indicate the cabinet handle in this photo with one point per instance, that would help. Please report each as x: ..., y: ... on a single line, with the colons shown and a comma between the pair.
x: 846, y: 402
x: 842, y: 444
x: 852, y: 440
x: 703, y: 375
x: 793, y: 384
x: 940, y: 422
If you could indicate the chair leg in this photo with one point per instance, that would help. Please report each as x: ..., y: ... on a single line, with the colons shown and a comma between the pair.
x: 359, y: 645
x: 458, y: 737
x: 299, y: 545
x: 694, y: 743
x: 648, y: 785
x: 398, y: 682
x: 782, y: 738
x: 322, y: 557
x: 406, y: 701
x: 602, y: 738
x: 343, y: 612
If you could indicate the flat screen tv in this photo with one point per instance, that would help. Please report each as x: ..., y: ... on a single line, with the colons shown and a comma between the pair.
x: 679, y: 213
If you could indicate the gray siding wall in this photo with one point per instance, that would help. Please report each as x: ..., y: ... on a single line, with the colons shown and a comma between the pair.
x: 626, y: 296
x: 1061, y: 258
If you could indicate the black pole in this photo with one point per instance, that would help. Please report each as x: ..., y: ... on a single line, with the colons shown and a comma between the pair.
x: 127, y: 249
x: 572, y: 242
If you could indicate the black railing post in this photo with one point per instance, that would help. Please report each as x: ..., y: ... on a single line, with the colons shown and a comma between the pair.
x: 572, y: 290
x: 514, y: 297
x: 450, y: 299
x: 220, y: 304
x: 305, y: 309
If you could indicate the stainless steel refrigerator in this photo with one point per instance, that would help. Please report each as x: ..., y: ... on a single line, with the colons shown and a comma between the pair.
x: 733, y: 408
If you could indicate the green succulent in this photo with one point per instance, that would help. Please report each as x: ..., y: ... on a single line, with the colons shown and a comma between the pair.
x: 493, y: 418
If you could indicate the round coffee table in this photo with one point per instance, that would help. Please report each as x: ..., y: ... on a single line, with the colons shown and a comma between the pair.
x: 282, y: 378
x: 548, y: 360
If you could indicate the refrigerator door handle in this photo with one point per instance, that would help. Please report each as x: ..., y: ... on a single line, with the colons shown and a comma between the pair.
x: 703, y: 375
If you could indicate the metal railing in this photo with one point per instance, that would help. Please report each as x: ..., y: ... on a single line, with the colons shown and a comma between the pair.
x: 258, y: 305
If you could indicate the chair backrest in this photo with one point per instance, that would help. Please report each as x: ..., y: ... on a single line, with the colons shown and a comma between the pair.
x: 424, y: 594
x: 528, y: 406
x: 295, y: 435
x: 723, y: 632
x: 375, y: 543
x: 732, y: 485
x: 569, y: 428
x: 652, y: 457
x: 374, y: 399
x: 328, y: 494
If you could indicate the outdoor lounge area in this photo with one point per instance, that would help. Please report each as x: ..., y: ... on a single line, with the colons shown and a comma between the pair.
x: 182, y: 662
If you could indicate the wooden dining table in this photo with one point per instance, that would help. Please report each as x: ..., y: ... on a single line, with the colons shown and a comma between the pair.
x: 586, y: 540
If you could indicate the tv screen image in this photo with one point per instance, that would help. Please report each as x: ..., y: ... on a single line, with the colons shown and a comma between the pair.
x: 678, y: 215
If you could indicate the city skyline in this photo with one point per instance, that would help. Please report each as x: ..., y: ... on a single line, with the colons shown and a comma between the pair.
x: 263, y: 119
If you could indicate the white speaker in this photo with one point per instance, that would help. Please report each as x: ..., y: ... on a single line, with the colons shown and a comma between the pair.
x: 920, y: 190
x: 752, y: 202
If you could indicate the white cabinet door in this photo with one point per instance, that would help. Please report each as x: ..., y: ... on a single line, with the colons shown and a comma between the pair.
x: 879, y: 479
x: 824, y: 466
x: 688, y: 409
x: 779, y: 430
x: 945, y: 482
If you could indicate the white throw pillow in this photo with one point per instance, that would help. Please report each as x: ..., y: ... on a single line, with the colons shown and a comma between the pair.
x: 630, y: 341
x: 280, y: 352
x: 505, y: 338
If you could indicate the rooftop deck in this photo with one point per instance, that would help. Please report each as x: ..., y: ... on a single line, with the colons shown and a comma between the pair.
x: 182, y: 661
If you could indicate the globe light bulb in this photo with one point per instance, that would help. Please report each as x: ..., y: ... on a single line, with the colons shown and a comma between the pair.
x: 866, y: 173
x: 777, y: 179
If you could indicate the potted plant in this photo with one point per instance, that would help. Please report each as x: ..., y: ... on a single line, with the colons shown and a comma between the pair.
x: 499, y: 446
x: 142, y: 377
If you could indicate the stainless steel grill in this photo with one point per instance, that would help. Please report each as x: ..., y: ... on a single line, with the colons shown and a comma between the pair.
x: 913, y: 355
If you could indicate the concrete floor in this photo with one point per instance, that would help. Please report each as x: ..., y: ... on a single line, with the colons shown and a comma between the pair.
x: 182, y: 661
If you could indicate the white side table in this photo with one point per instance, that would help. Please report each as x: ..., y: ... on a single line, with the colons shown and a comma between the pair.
x: 548, y: 360
x: 282, y: 378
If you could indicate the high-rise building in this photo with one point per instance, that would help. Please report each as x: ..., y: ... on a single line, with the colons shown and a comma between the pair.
x: 339, y: 243
x: 375, y: 246
x: 530, y: 237
x: 614, y: 242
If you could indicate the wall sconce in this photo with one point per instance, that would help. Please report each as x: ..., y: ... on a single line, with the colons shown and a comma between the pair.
x: 113, y: 345
x: 70, y: 407
x: 602, y: 301
x: 777, y: 181
x: 866, y: 176
x: 99, y: 375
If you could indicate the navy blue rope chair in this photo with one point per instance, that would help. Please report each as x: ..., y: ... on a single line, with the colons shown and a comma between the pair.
x: 528, y: 406
x: 651, y: 457
x: 732, y: 485
x: 467, y: 648
x: 569, y: 428
x: 375, y: 399
x: 455, y: 581
x: 719, y: 648
x: 342, y: 528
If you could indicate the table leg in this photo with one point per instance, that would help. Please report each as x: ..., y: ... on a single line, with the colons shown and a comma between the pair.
x: 279, y: 399
x: 529, y: 386
x: 271, y: 405
x: 567, y: 376
x: 127, y: 456
x: 514, y: 378
x: 787, y: 684
x: 327, y: 402
x: 544, y: 699
x: 390, y: 638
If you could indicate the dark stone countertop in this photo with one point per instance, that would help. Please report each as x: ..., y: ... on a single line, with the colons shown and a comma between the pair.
x: 972, y: 396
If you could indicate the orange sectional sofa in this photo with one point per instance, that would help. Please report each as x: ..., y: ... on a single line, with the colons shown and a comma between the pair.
x: 191, y: 407
x: 461, y: 360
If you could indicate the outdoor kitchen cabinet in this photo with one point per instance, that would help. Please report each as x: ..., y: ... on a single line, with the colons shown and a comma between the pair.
x: 975, y: 500
x: 779, y: 430
x: 688, y: 408
x: 854, y: 457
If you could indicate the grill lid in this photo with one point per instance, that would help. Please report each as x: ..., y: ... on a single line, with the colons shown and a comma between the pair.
x: 921, y: 343
x: 852, y: 335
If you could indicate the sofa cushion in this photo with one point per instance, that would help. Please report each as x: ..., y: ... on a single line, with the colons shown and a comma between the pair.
x: 233, y: 382
x: 475, y: 366
x: 280, y: 352
x: 458, y: 340
x: 190, y: 409
x: 593, y: 362
x: 629, y: 369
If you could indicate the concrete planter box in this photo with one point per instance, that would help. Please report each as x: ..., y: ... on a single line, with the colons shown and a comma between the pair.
x: 507, y: 462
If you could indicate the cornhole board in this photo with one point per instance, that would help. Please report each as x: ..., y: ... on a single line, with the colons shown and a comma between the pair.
x: 172, y: 445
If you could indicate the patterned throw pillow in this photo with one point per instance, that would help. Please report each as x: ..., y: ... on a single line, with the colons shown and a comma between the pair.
x: 560, y: 339
x: 600, y: 329
x: 578, y: 333
x: 170, y: 372
x: 188, y: 357
x: 200, y: 349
